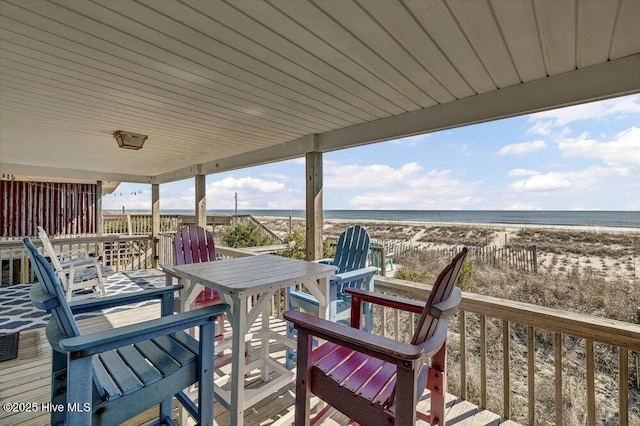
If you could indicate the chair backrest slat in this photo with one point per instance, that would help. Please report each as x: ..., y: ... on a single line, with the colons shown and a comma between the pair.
x: 351, y: 252
x: 194, y: 244
x: 352, y: 249
x: 441, y: 290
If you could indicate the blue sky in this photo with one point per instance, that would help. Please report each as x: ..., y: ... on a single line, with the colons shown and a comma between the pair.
x: 585, y: 157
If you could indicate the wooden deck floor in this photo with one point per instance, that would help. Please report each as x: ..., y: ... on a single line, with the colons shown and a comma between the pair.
x: 26, y: 379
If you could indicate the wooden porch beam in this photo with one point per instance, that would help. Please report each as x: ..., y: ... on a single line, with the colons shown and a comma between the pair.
x: 201, y: 200
x: 314, y: 216
x: 155, y: 223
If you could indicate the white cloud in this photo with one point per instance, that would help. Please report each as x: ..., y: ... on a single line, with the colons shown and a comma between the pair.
x: 381, y: 186
x: 557, y: 181
x: 231, y: 183
x: 611, y: 108
x: 542, y: 183
x: 252, y: 193
x: 521, y: 172
x: 522, y: 148
x: 522, y: 206
x: 410, y: 141
x: 621, y: 153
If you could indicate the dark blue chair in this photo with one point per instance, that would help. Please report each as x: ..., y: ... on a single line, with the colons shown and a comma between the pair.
x: 351, y: 259
x: 110, y: 376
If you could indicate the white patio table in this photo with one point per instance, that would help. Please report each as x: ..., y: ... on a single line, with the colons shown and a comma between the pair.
x: 236, y: 280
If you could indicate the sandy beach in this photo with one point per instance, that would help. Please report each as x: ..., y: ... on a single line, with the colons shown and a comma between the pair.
x: 608, y: 251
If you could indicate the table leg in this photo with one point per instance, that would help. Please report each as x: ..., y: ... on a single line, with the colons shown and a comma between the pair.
x: 264, y: 345
x: 323, y: 285
x: 238, y: 324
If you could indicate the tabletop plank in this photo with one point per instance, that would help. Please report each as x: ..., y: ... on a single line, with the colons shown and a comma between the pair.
x: 253, y: 274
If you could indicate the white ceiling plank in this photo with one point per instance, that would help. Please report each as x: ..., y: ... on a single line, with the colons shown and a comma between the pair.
x: 478, y: 23
x: 76, y: 101
x: 596, y: 21
x: 121, y: 49
x: 440, y: 25
x: 403, y: 27
x: 324, y: 59
x: 326, y: 28
x: 518, y: 25
x: 108, y: 76
x: 557, y: 30
x: 223, y: 23
x: 76, y: 54
x: 378, y: 40
x: 228, y: 62
x: 86, y: 81
x: 626, y: 36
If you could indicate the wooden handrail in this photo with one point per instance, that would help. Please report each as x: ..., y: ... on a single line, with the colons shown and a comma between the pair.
x: 621, y: 335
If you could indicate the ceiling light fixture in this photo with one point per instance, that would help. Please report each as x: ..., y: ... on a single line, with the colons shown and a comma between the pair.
x: 129, y: 140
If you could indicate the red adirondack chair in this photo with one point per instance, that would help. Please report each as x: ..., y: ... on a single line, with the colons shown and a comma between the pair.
x: 372, y: 379
x: 194, y: 244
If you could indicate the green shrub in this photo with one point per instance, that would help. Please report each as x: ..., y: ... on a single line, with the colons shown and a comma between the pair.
x: 249, y: 235
x: 297, y: 241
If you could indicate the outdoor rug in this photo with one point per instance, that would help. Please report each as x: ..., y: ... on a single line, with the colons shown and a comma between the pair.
x: 18, y: 314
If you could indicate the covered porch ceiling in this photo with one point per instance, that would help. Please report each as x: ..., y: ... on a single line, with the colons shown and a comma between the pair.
x: 220, y: 85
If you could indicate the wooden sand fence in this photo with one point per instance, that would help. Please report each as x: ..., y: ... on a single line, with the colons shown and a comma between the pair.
x: 521, y: 259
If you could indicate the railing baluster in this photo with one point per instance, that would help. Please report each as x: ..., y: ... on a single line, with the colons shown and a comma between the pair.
x: 396, y: 315
x: 463, y: 354
x: 483, y: 361
x: 531, y: 365
x: 506, y: 367
x: 591, y: 389
x: 623, y: 385
x: 558, y: 378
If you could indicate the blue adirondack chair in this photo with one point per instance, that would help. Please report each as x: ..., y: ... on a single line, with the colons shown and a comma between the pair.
x: 351, y: 258
x: 108, y: 377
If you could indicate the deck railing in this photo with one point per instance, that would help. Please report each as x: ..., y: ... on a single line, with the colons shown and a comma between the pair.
x: 505, y: 338
x: 119, y: 252
x: 495, y: 344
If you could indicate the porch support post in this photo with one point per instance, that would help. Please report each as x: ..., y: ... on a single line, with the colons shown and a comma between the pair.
x: 155, y: 222
x: 98, y: 208
x: 201, y: 200
x: 314, y: 217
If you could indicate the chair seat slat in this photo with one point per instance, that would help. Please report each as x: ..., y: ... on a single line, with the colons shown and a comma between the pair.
x: 140, y: 366
x: 174, y: 349
x: 120, y: 372
x: 160, y: 360
x: 108, y: 388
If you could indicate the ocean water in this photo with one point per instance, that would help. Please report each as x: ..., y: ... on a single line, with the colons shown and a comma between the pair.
x: 621, y: 219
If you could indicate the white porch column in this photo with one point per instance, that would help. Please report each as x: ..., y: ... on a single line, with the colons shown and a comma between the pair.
x: 155, y: 222
x: 314, y: 205
x: 201, y: 200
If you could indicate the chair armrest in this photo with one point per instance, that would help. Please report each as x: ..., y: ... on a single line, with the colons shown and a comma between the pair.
x: 448, y: 306
x: 326, y: 261
x: 439, y: 310
x: 83, y: 262
x: 96, y: 304
x: 361, y: 341
x: 356, y: 274
x: 102, y: 341
x: 408, y: 305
